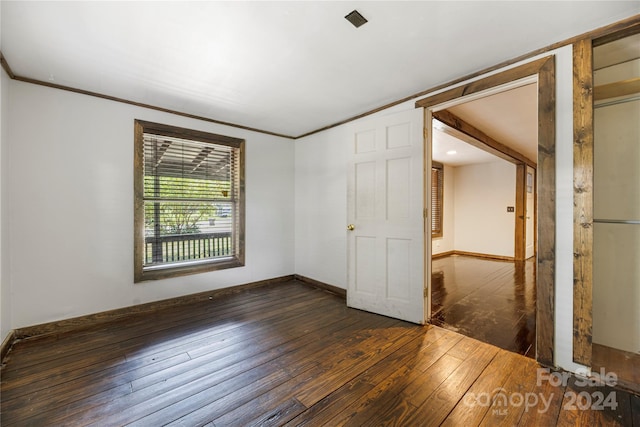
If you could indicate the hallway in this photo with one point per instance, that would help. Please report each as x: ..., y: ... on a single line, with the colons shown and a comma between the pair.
x: 491, y: 301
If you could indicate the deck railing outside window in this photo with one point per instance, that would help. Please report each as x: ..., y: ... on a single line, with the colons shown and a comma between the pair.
x: 187, y: 247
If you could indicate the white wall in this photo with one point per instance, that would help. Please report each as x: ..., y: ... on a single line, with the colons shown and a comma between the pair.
x: 5, y: 305
x: 321, y: 207
x: 70, y: 206
x: 446, y: 242
x: 482, y: 193
x: 478, y: 194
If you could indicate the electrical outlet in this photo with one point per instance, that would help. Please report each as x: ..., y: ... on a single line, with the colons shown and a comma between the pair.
x: 511, y: 209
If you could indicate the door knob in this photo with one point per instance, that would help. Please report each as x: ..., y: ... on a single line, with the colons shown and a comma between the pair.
x: 351, y: 227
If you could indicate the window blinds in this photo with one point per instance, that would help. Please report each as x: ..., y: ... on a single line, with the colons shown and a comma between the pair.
x: 190, y: 199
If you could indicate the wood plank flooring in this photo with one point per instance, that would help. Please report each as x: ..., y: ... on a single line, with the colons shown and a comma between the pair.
x: 285, y: 354
x: 626, y: 365
x: 492, y: 301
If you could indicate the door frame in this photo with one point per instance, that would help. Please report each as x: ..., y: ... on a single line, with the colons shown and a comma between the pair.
x: 543, y: 71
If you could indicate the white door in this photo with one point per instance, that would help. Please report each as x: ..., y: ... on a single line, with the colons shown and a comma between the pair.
x: 530, y: 213
x: 385, y: 212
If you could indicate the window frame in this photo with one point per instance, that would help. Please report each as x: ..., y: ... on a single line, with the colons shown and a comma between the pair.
x: 188, y: 267
x: 439, y: 188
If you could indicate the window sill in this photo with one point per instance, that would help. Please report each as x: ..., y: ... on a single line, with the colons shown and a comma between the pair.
x: 184, y: 269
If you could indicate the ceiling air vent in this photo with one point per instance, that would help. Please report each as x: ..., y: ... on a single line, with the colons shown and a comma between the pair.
x: 356, y: 19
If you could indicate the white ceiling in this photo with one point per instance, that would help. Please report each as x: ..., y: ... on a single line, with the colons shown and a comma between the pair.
x: 285, y: 67
x: 452, y: 151
x: 509, y: 117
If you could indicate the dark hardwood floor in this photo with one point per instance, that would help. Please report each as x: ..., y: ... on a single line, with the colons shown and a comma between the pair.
x: 285, y: 354
x: 492, y: 301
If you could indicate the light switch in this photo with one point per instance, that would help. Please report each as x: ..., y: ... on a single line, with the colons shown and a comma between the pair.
x: 510, y: 209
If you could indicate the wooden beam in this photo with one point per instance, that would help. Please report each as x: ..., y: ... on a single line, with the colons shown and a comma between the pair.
x: 545, y: 286
x: 492, y: 81
x: 613, y: 90
x: 616, y: 31
x: 482, y: 140
x: 582, y: 200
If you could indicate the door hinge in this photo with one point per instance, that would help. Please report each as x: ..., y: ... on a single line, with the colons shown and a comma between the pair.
x: 425, y: 213
x: 426, y: 292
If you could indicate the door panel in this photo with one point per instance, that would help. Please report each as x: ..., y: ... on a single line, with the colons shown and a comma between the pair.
x: 365, y: 254
x: 365, y: 141
x: 365, y: 183
x: 398, y: 189
x: 385, y: 205
x: 399, y: 269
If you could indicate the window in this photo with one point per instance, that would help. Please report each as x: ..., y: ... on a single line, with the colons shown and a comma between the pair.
x: 437, y: 182
x: 189, y: 201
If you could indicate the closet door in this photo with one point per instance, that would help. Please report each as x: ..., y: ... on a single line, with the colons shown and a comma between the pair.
x: 616, y: 251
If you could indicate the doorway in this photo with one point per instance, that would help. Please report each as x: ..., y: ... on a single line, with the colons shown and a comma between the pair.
x: 481, y: 285
x: 542, y: 73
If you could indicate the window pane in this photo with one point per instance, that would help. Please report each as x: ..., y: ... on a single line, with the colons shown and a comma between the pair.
x: 436, y: 200
x: 187, y: 232
x: 186, y: 188
x: 191, y: 200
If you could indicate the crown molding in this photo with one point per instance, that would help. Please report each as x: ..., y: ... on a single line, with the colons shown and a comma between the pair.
x: 13, y: 76
x: 599, y: 35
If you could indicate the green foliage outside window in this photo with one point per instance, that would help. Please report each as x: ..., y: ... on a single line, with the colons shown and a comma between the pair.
x: 176, y: 213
